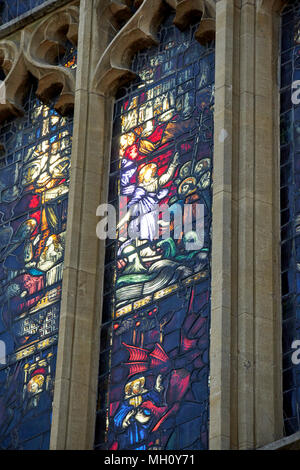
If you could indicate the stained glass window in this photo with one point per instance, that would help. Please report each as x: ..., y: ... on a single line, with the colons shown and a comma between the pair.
x: 154, y: 361
x: 290, y: 212
x: 34, y: 184
x: 11, y: 9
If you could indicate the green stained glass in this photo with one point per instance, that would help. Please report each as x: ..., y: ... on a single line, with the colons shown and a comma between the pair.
x: 154, y: 371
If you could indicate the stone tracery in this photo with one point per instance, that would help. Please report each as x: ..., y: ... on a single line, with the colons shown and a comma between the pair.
x: 35, y: 52
x: 113, y: 68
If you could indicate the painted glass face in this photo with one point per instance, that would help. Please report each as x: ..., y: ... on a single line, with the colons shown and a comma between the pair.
x: 290, y: 212
x: 154, y: 371
x: 34, y: 184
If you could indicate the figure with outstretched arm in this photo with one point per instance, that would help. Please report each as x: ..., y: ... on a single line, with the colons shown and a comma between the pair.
x: 146, y: 196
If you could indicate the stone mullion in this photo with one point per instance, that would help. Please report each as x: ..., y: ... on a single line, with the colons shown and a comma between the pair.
x: 74, y: 409
x: 222, y: 253
x: 245, y: 279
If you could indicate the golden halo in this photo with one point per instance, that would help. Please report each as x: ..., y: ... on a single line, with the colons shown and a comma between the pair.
x: 128, y: 387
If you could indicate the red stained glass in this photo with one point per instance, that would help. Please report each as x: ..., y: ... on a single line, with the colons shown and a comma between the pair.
x: 156, y: 364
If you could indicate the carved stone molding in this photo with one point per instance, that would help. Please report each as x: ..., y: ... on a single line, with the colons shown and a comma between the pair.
x: 271, y: 5
x: 48, y: 40
x: 12, y: 64
x: 188, y: 10
x: 35, y: 51
x: 142, y: 19
x: 118, y: 12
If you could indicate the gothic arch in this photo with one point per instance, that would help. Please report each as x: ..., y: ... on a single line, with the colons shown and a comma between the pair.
x: 113, y: 68
x: 35, y: 52
x: 12, y: 65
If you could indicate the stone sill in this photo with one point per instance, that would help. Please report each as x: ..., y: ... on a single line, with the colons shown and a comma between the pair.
x: 286, y: 443
x: 30, y: 16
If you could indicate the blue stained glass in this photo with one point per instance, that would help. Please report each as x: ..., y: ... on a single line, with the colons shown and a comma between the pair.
x: 34, y: 184
x: 290, y: 211
x: 12, y: 9
x: 154, y: 370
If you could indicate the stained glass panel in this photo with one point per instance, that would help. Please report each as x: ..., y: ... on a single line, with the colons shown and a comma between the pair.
x: 11, y: 9
x: 290, y: 211
x: 34, y: 182
x: 154, y: 368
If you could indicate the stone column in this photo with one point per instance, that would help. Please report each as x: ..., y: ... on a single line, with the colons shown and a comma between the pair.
x: 223, y: 309
x: 246, y: 249
x: 258, y: 282
x: 245, y: 350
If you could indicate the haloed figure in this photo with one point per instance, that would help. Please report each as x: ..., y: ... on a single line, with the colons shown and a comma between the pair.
x: 134, y: 418
x: 35, y: 388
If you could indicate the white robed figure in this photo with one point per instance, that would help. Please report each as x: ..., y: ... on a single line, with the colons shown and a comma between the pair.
x: 145, y: 196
